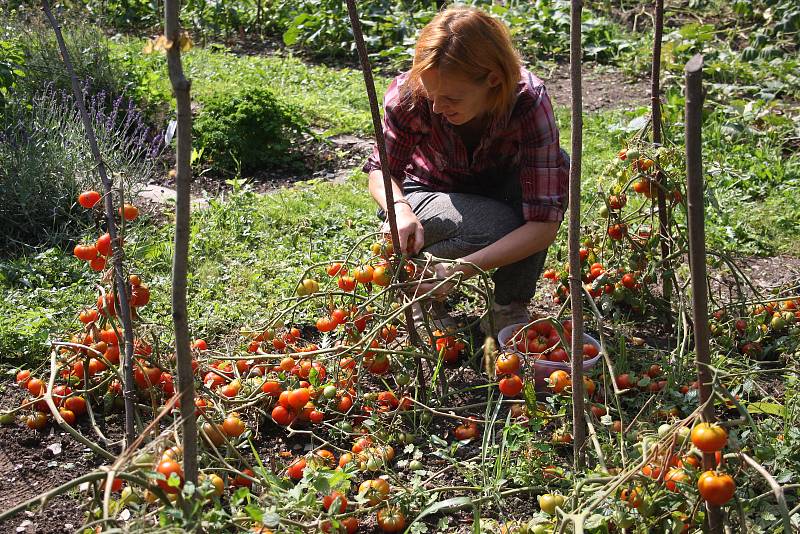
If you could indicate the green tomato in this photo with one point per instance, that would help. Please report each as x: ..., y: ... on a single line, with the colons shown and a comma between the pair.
x: 7, y: 419
x: 764, y: 453
x: 346, y: 427
x: 603, y: 211
x: 548, y: 502
x: 129, y: 496
x: 329, y: 392
x: 415, y: 465
x: 144, y: 461
x: 402, y: 379
x: 663, y: 430
x: 407, y: 437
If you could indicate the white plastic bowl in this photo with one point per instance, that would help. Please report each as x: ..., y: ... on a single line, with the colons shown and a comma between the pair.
x: 544, y: 368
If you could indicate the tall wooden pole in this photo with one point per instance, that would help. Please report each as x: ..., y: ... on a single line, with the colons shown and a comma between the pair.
x: 575, y: 282
x: 120, y: 282
x: 661, y: 200
x: 697, y: 254
x: 369, y: 82
x: 180, y: 261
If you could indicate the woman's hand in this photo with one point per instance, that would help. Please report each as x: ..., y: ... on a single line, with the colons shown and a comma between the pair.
x: 441, y: 272
x: 409, y: 229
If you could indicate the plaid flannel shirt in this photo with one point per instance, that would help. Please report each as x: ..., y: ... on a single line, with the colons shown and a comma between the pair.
x: 423, y: 146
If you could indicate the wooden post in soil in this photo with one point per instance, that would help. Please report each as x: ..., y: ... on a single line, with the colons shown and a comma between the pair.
x: 120, y: 280
x: 661, y: 201
x: 575, y: 282
x: 366, y: 69
x: 181, y: 86
x: 697, y: 254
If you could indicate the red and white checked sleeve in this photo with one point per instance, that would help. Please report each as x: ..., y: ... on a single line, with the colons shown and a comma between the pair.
x: 544, y: 171
x: 403, y: 129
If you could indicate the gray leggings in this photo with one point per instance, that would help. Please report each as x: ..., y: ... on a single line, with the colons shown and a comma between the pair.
x: 457, y: 224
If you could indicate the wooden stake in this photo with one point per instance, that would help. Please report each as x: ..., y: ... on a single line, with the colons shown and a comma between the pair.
x: 697, y: 254
x: 181, y: 86
x: 575, y: 282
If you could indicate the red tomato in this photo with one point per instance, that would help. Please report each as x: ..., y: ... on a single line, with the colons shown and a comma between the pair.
x: 346, y: 283
x: 146, y: 377
x: 709, y: 437
x: 76, y: 405
x: 36, y: 386
x: 282, y: 415
x: 103, y: 244
x: 23, y: 377
x: 271, y: 388
x: 339, y: 316
x: 381, y: 276
x: 364, y: 274
x: 167, y: 468
x: 336, y: 268
x: 88, y: 199
x: 129, y: 212
x: 716, y: 488
x: 296, y: 468
x: 67, y: 415
x: 233, y: 426
x: 337, y: 500
x: 511, y: 386
x: 88, y: 316
x: 298, y: 398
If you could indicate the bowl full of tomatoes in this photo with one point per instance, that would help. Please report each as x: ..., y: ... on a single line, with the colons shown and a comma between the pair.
x: 541, y: 344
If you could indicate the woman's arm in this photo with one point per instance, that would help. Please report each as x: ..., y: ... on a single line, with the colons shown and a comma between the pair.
x: 409, y: 229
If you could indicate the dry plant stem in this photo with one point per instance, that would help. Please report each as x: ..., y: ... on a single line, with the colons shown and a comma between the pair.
x: 74, y: 483
x: 48, y: 398
x: 120, y: 282
x: 597, y: 449
x: 777, y: 490
x: 181, y: 86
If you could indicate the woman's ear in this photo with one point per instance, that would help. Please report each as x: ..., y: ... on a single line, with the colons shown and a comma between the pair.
x: 493, y: 79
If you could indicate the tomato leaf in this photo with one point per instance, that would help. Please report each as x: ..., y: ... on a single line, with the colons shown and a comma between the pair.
x: 768, y: 408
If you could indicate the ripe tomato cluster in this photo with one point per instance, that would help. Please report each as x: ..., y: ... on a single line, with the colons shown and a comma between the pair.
x: 97, y: 253
x: 618, y: 286
x: 755, y: 332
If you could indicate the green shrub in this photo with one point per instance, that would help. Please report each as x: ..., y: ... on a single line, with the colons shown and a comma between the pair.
x: 11, y: 61
x: 45, y: 162
x: 247, y: 131
x: 96, y: 68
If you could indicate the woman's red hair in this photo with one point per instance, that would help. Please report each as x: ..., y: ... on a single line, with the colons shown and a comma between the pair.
x: 470, y: 43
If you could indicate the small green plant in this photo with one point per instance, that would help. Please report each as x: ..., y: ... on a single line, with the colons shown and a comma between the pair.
x: 249, y: 130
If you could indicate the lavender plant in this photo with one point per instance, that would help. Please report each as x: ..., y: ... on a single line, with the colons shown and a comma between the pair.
x: 45, y: 161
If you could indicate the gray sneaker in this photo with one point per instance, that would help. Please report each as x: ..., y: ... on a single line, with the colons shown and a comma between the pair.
x: 505, y: 315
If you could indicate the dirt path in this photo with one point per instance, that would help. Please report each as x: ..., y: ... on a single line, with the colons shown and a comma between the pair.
x: 603, y: 88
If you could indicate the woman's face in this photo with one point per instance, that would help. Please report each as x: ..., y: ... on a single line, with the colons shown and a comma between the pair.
x: 458, y: 99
